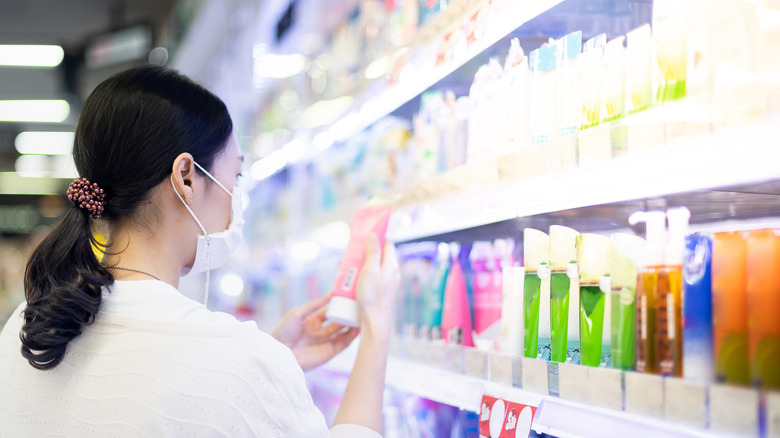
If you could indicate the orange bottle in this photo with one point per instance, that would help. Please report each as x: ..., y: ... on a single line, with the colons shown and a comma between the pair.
x: 763, y: 293
x: 729, y: 307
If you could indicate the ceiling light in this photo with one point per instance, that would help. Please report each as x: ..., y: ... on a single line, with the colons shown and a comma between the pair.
x: 272, y: 65
x: 44, y: 143
x: 51, y: 111
x: 30, y: 55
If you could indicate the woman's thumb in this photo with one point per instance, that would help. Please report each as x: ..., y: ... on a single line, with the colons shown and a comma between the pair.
x: 373, y: 251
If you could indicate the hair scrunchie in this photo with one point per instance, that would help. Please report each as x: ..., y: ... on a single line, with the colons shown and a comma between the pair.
x: 87, y: 196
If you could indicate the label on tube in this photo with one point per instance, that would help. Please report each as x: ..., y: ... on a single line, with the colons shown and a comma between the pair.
x: 342, y: 308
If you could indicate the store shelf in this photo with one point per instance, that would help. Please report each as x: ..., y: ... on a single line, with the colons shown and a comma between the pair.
x: 735, y: 160
x: 505, y: 16
x: 433, y: 380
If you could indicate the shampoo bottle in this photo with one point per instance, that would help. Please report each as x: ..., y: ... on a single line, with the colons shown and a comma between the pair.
x: 729, y: 307
x: 536, y: 292
x: 564, y: 293
x: 669, y: 299
x: 763, y: 289
x: 439, y: 283
x: 456, y: 315
x: 697, y: 309
x: 593, y: 256
x: 512, y: 322
x: 628, y: 253
x: 487, y: 297
x: 647, y: 288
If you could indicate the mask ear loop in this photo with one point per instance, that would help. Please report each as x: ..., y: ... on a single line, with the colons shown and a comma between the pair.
x: 205, y: 235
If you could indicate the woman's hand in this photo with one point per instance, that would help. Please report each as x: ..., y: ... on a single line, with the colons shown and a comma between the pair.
x: 311, y: 342
x: 377, y: 288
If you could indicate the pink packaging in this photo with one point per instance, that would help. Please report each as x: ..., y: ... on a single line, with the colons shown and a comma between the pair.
x: 342, y: 308
x: 456, y: 314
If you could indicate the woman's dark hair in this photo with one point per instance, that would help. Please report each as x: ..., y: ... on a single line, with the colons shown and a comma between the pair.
x: 131, y: 129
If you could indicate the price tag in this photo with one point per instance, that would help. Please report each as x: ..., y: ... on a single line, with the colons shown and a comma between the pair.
x: 475, y: 362
x: 773, y: 414
x: 605, y: 387
x: 685, y: 402
x: 500, y: 369
x: 573, y: 382
x: 535, y: 375
x: 734, y: 409
x: 644, y: 394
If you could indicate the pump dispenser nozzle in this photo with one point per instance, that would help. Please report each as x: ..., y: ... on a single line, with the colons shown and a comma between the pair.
x: 678, y: 227
x: 655, y: 236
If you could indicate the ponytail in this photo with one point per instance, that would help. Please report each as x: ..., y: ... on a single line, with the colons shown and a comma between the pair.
x: 63, y: 283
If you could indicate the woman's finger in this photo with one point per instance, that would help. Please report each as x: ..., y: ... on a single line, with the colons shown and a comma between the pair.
x: 306, y: 309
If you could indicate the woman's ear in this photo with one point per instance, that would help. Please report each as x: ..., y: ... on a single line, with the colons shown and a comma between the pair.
x: 183, y: 176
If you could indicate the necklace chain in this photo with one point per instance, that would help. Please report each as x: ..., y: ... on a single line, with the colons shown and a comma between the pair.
x: 133, y: 270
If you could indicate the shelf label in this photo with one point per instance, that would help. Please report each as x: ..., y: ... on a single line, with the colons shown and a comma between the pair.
x: 605, y: 387
x: 773, y: 414
x: 644, y: 394
x: 685, y: 402
x: 499, y: 418
x: 734, y: 409
x: 535, y: 375
x: 572, y: 381
x: 500, y: 369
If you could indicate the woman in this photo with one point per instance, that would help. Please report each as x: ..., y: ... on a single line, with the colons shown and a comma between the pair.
x: 112, y: 348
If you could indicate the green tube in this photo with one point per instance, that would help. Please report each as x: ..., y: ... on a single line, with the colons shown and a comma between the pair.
x: 560, y: 285
x: 623, y: 329
x: 591, y: 324
x: 532, y: 293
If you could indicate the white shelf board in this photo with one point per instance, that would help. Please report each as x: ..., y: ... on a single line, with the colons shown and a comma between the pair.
x: 513, y: 14
x: 561, y: 418
x: 740, y: 156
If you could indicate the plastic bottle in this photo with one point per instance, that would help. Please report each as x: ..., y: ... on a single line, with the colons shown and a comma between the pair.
x: 669, y: 299
x: 697, y: 309
x: 438, y: 284
x: 536, y: 291
x: 564, y: 293
x: 763, y: 290
x: 593, y: 258
x: 647, y: 288
x: 628, y: 252
x: 487, y: 299
x: 729, y: 307
x: 456, y: 315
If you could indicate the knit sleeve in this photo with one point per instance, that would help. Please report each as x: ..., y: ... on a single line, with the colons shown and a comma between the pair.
x: 353, y: 431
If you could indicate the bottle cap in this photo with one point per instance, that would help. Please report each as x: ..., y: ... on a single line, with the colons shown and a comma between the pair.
x: 343, y: 310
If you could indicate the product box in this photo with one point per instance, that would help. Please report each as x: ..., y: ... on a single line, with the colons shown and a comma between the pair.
x: 697, y: 309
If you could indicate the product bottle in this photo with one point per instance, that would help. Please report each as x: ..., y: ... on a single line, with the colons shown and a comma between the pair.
x: 536, y: 291
x: 456, y: 315
x: 512, y: 322
x: 647, y: 288
x: 518, y: 78
x: 669, y: 299
x: 564, y: 293
x: 729, y: 307
x: 628, y: 253
x: 763, y: 289
x: 593, y: 257
x: 439, y: 283
x: 487, y: 294
x: 543, y: 62
x: 568, y: 96
x: 697, y: 309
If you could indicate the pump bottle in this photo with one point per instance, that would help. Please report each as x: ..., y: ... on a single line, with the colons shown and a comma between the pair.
x: 669, y: 299
x: 647, y: 288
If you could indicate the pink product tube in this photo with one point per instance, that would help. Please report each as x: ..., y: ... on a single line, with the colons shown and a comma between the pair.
x: 342, y: 308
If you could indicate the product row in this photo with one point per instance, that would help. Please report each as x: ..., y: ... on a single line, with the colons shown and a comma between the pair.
x: 698, y: 306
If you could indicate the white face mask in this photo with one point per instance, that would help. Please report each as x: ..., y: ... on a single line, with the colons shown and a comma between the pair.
x: 214, y: 250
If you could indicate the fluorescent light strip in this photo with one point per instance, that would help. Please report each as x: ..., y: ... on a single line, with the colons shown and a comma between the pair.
x: 30, y: 55
x: 44, y: 143
x: 35, y: 111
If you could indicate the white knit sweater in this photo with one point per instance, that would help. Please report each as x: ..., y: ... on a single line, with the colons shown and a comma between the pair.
x: 155, y: 363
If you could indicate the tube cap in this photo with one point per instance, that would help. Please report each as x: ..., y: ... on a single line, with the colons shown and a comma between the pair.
x: 342, y: 310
